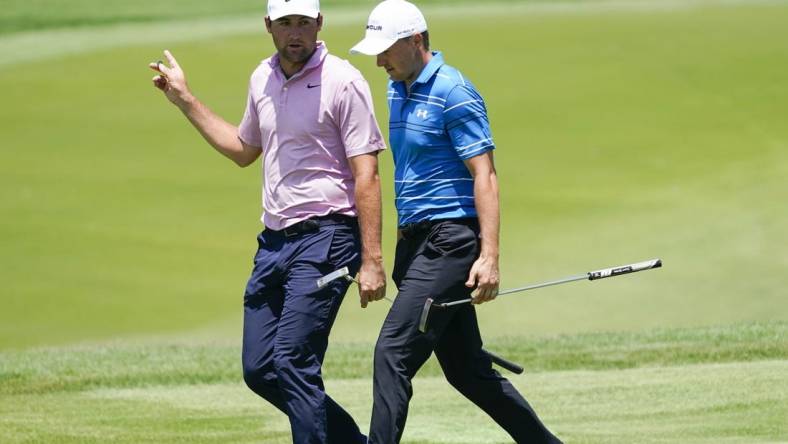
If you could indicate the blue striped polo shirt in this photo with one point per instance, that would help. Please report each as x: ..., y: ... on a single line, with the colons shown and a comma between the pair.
x: 433, y: 128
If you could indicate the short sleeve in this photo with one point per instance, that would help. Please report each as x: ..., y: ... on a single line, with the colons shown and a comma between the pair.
x: 249, y: 128
x: 356, y: 120
x: 466, y: 121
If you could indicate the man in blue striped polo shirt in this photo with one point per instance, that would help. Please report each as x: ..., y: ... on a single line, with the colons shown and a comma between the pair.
x: 447, y: 203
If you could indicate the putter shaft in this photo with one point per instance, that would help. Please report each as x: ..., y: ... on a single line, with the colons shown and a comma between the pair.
x: 516, y: 290
x: 591, y: 276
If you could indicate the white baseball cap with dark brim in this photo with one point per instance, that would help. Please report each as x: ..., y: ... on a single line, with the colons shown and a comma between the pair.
x: 282, y: 8
x: 390, y: 21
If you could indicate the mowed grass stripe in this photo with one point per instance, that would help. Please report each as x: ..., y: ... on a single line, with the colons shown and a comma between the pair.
x: 164, y: 28
x: 26, y: 15
x: 50, y: 370
x: 697, y: 403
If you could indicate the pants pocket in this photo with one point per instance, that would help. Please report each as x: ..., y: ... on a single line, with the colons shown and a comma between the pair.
x: 402, y: 259
x: 452, y: 239
x: 345, y: 247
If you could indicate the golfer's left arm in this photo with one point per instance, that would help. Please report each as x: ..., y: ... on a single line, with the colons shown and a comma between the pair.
x: 484, y: 272
x: 361, y: 134
x: 371, y: 276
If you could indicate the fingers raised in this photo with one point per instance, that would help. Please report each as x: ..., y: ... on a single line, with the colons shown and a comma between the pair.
x: 161, y: 67
x: 171, y: 59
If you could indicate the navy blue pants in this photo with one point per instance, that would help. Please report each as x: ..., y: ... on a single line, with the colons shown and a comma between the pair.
x: 287, y: 320
x: 434, y: 260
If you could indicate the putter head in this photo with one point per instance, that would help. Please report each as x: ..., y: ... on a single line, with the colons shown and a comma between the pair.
x: 325, y: 280
x: 425, y: 313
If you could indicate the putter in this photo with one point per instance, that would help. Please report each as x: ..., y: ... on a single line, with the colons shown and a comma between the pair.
x: 330, y: 277
x: 345, y: 273
x: 591, y: 276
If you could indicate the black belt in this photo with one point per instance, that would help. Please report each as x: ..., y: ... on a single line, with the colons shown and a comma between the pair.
x: 314, y: 224
x: 423, y: 227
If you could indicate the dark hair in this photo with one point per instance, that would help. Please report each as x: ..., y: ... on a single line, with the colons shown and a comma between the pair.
x: 425, y: 39
x: 425, y: 36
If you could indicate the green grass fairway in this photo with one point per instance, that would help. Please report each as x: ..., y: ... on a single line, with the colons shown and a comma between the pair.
x: 625, y: 130
x: 623, y: 134
x: 694, y: 386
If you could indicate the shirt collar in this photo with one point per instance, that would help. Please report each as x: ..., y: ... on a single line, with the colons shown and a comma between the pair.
x: 321, y: 51
x: 430, y: 68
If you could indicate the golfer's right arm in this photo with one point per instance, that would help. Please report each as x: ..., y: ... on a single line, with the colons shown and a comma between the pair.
x: 222, y: 135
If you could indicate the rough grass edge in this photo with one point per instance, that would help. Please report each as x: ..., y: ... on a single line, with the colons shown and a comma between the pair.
x: 130, y: 364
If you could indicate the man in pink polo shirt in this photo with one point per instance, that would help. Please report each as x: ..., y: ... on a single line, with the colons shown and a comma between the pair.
x: 310, y: 115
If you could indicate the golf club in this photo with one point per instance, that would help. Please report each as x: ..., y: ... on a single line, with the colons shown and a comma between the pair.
x: 344, y: 272
x: 591, y: 276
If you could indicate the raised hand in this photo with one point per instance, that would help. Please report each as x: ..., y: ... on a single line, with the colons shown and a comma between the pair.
x: 171, y: 80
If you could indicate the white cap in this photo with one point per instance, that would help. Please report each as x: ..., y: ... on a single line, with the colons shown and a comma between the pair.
x: 390, y: 21
x: 280, y: 8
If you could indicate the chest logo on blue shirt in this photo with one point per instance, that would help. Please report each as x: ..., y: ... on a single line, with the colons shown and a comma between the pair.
x: 422, y: 113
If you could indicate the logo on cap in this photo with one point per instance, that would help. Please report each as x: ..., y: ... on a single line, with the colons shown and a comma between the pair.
x: 375, y: 27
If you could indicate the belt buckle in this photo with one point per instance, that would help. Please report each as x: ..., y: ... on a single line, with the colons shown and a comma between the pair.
x: 292, y: 230
x: 305, y: 226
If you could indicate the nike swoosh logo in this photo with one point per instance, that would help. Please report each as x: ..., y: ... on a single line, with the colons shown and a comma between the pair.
x: 312, y: 86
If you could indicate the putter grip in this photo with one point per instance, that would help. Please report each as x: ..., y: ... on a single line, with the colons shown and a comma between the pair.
x: 508, y: 365
x: 624, y: 269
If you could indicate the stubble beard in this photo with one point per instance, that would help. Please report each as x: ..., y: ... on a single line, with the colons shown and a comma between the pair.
x: 297, y: 57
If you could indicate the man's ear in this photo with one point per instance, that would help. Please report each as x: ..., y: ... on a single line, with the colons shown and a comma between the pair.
x: 319, y: 22
x: 418, y: 40
x: 268, y: 24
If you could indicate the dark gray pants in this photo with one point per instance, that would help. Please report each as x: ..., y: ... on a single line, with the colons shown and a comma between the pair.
x: 434, y: 260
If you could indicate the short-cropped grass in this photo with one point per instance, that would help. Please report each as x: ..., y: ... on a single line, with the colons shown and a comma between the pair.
x: 702, y: 385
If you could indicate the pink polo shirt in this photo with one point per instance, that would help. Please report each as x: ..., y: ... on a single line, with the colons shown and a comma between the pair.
x: 308, y: 126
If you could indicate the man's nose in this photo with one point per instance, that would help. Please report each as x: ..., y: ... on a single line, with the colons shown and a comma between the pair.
x: 381, y: 60
x: 295, y: 32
